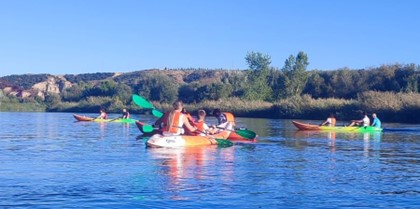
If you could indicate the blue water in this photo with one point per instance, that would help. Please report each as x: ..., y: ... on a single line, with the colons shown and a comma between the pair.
x: 49, y: 161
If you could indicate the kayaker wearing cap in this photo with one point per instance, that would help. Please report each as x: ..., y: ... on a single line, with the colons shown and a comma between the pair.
x: 330, y: 121
x: 174, y: 120
x: 225, y: 120
x: 376, y: 122
x: 363, y: 122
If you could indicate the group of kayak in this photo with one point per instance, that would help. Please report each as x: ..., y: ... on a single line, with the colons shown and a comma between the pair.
x: 177, y: 128
x: 363, y: 125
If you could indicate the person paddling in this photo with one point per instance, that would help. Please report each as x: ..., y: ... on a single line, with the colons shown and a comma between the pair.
x: 376, y: 122
x: 125, y: 114
x: 173, y: 121
x: 102, y: 114
x: 330, y: 121
x: 225, y: 120
x: 202, y: 128
x: 363, y: 122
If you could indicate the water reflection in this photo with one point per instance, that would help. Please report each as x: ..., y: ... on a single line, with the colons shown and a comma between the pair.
x: 187, y: 167
x: 332, y: 137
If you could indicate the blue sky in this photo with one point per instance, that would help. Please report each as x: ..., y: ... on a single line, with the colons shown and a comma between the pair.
x: 87, y: 36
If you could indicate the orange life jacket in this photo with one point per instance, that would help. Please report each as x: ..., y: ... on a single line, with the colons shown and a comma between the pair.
x: 173, y: 122
x: 230, y: 118
x: 200, y: 126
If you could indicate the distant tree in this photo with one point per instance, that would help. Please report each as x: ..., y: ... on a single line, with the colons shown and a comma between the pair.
x: 408, y: 76
x: 238, y: 83
x: 214, y: 91
x: 295, y: 73
x: 123, y: 92
x: 52, y: 100
x: 159, y: 87
x: 315, y: 85
x: 72, y: 94
x: 188, y: 93
x: 257, y: 87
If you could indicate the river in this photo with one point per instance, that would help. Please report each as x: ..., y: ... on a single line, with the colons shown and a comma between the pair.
x: 50, y: 161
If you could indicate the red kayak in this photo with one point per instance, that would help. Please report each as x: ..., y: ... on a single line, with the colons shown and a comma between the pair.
x: 233, y: 136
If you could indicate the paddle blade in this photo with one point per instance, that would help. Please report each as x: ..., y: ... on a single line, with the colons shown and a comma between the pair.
x: 157, y: 113
x: 224, y: 143
x: 141, y: 102
x: 246, y: 134
x: 147, y: 129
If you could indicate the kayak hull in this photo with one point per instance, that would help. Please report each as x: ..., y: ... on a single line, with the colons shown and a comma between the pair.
x: 89, y: 119
x: 233, y: 136
x: 311, y: 127
x: 159, y: 140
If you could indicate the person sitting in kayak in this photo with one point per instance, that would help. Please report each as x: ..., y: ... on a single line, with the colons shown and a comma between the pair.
x: 363, y: 122
x: 125, y: 114
x: 202, y: 128
x: 190, y: 119
x: 102, y: 114
x: 173, y: 121
x: 225, y: 120
x: 330, y: 121
x: 376, y: 122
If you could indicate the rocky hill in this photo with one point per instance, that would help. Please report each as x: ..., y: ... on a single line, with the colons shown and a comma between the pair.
x: 39, y: 85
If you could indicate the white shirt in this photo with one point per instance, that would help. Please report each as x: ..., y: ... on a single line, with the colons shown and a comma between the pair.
x: 366, y: 121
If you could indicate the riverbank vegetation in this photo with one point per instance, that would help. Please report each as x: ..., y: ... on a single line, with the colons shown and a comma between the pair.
x: 260, y: 91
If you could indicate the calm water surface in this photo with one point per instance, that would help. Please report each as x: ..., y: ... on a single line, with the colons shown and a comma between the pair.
x: 47, y: 160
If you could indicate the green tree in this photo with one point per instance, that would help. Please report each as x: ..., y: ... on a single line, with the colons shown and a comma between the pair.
x: 123, y: 92
x: 295, y: 73
x: 257, y: 83
x: 52, y: 100
x: 158, y: 87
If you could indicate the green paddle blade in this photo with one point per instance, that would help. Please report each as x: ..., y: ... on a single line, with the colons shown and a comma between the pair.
x: 157, y: 113
x: 141, y: 102
x: 224, y: 143
x: 147, y: 128
x: 246, y: 134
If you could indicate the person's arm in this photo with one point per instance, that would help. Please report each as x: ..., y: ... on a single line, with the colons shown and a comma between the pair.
x: 159, y: 121
x: 374, y: 122
x: 208, y: 130
x: 188, y: 125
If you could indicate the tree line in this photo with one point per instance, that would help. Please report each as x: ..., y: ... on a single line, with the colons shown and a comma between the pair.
x: 260, y: 82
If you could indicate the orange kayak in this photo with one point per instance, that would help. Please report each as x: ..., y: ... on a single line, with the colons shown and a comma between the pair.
x: 159, y: 140
x: 311, y: 127
x: 233, y: 136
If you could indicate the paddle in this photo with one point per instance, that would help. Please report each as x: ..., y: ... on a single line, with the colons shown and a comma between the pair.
x: 142, y: 102
x: 247, y: 134
x: 114, y: 119
x: 146, y: 128
x: 224, y: 142
x: 157, y: 113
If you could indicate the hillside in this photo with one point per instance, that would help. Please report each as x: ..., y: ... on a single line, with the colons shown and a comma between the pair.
x: 39, y: 85
x: 389, y: 90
